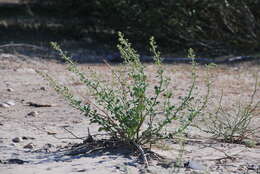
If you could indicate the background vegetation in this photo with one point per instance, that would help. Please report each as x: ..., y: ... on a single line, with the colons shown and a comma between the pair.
x: 211, y: 27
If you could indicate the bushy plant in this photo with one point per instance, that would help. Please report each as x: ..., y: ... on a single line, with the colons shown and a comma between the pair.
x: 233, y: 125
x: 127, y: 111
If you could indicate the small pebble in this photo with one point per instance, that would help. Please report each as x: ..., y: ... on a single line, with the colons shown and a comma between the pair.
x: 27, y: 138
x: 195, y: 165
x: 29, y: 146
x: 4, y: 105
x: 51, y: 133
x: 25, y: 70
x: 43, y: 88
x: 10, y: 103
x: 33, y: 113
x: 17, y: 139
x: 16, y: 161
x: 10, y: 89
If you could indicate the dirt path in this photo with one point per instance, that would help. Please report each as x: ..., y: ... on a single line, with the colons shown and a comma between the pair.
x: 37, y: 128
x: 28, y: 86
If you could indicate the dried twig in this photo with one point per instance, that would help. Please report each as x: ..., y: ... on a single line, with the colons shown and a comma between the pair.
x: 227, y: 156
x: 142, y: 153
x: 83, y: 150
x: 39, y: 104
x: 77, y: 137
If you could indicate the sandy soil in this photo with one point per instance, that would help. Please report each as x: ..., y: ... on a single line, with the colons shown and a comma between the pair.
x: 40, y: 131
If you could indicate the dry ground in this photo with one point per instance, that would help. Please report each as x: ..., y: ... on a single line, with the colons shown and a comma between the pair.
x: 20, y: 83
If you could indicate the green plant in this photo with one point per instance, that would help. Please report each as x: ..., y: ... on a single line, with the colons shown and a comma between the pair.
x: 128, y: 110
x: 233, y: 125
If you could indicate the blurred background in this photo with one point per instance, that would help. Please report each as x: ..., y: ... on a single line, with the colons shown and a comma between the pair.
x: 212, y: 28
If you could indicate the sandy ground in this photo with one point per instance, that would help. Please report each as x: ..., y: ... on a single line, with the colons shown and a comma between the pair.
x: 41, y: 130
